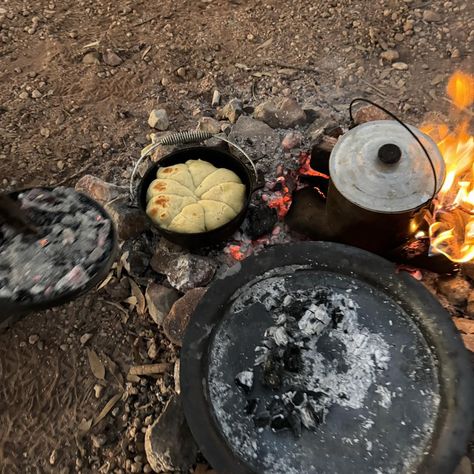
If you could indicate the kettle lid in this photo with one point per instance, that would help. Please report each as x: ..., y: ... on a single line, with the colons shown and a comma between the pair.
x: 379, y: 166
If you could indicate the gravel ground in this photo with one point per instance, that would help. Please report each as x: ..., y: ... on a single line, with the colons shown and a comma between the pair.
x: 77, y: 82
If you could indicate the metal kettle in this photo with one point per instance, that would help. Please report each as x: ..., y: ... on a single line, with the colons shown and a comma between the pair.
x: 381, y: 183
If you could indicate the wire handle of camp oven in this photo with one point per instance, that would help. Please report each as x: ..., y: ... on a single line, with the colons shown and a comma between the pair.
x: 182, y: 138
x: 404, y: 125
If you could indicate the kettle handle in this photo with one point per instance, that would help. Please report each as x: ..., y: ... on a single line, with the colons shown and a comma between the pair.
x: 394, y: 117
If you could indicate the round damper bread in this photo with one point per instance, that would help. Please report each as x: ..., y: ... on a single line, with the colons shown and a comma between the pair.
x: 221, y: 175
x: 216, y: 213
x: 179, y: 173
x: 189, y: 221
x: 167, y: 186
x: 163, y: 208
x: 199, y: 170
x: 232, y: 194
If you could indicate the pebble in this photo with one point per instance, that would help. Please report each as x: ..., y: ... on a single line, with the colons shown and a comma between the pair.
x: 63, y: 347
x: 40, y: 345
x: 455, y: 53
x: 53, y: 457
x: 232, y: 110
x: 36, y: 94
x: 431, y: 16
x: 98, y: 441
x: 292, y: 140
x: 408, y: 25
x: 216, y: 98
x: 152, y: 350
x: 400, y: 66
x: 209, y: 124
x: 158, y: 119
x: 390, y: 55
x: 399, y: 37
x: 181, y: 72
x: 85, y: 338
x: 98, y: 389
x: 33, y: 339
x: 91, y: 58
x: 44, y: 132
x: 112, y: 59
x: 60, y: 165
x: 23, y: 95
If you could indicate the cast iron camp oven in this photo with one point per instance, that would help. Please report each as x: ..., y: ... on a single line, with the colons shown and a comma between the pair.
x: 415, y: 412
x: 220, y: 159
x: 11, y: 311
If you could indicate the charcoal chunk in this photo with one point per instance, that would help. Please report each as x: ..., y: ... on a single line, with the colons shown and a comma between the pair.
x: 292, y: 358
x: 294, y: 421
x: 273, y: 372
x: 262, y: 419
x: 279, y: 422
x: 298, y: 398
x: 244, y: 380
x: 261, y: 220
x: 251, y: 406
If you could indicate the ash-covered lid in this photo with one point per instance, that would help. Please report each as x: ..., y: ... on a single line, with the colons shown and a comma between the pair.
x: 379, y: 166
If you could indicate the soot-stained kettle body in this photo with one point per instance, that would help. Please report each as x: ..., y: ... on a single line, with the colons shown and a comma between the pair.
x: 381, y: 184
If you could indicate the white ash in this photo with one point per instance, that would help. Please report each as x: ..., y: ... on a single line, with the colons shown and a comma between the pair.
x: 320, y: 382
x: 73, y: 239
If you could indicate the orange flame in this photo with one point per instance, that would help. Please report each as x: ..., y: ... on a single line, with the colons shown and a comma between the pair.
x: 452, y: 223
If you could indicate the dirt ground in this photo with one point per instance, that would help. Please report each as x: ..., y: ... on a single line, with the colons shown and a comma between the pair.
x: 61, y: 118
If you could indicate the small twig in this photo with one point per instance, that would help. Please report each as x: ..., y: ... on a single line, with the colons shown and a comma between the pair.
x: 140, y: 23
x: 150, y: 369
x: 75, y: 175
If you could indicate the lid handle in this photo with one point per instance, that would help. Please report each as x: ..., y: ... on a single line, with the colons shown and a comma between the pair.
x: 389, y: 154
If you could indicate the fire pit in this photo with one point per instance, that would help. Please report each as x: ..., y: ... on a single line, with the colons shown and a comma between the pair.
x: 312, y: 349
x: 73, y: 251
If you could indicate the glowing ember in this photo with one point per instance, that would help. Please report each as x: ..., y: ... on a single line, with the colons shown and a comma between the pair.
x: 305, y: 166
x: 452, y: 222
x: 236, y: 252
x: 281, y: 201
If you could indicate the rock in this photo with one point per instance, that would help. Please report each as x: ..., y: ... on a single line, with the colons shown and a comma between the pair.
x: 261, y: 220
x: 159, y: 300
x: 33, y: 339
x: 292, y: 140
x: 470, y: 305
x: 53, y: 457
x: 468, y: 340
x: 400, y: 66
x: 100, y: 190
x: 181, y: 72
x: 216, y: 98
x: 408, y: 25
x: 169, y: 445
x: 464, y: 325
x: 232, y: 110
x: 390, y: 55
x: 455, y: 53
x: 184, y: 271
x: 464, y: 467
x: 129, y: 221
x: 176, y: 321
x: 431, y: 16
x: 36, y: 94
x: 85, y: 338
x: 112, y: 59
x: 98, y: 389
x: 98, y: 441
x: 208, y: 124
x: 118, y: 290
x: 369, y: 113
x: 158, y: 119
x: 455, y: 289
x: 281, y: 113
x: 91, y: 58
x: 247, y: 128
x: 23, y: 95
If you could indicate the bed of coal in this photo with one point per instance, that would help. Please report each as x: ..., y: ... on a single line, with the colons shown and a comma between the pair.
x: 301, y: 388
x: 72, y: 242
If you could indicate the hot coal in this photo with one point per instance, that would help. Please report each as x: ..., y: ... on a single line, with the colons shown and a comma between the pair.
x: 303, y: 384
x: 73, y: 240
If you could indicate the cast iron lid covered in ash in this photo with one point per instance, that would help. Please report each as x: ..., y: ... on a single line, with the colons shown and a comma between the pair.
x: 380, y: 166
x: 319, y: 357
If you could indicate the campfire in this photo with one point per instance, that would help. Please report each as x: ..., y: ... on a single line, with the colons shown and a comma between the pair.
x: 452, y: 222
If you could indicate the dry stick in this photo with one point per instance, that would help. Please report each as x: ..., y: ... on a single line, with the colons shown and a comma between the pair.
x: 140, y: 23
x: 150, y: 369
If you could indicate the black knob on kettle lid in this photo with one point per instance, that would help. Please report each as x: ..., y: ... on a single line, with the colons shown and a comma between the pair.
x: 389, y: 154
